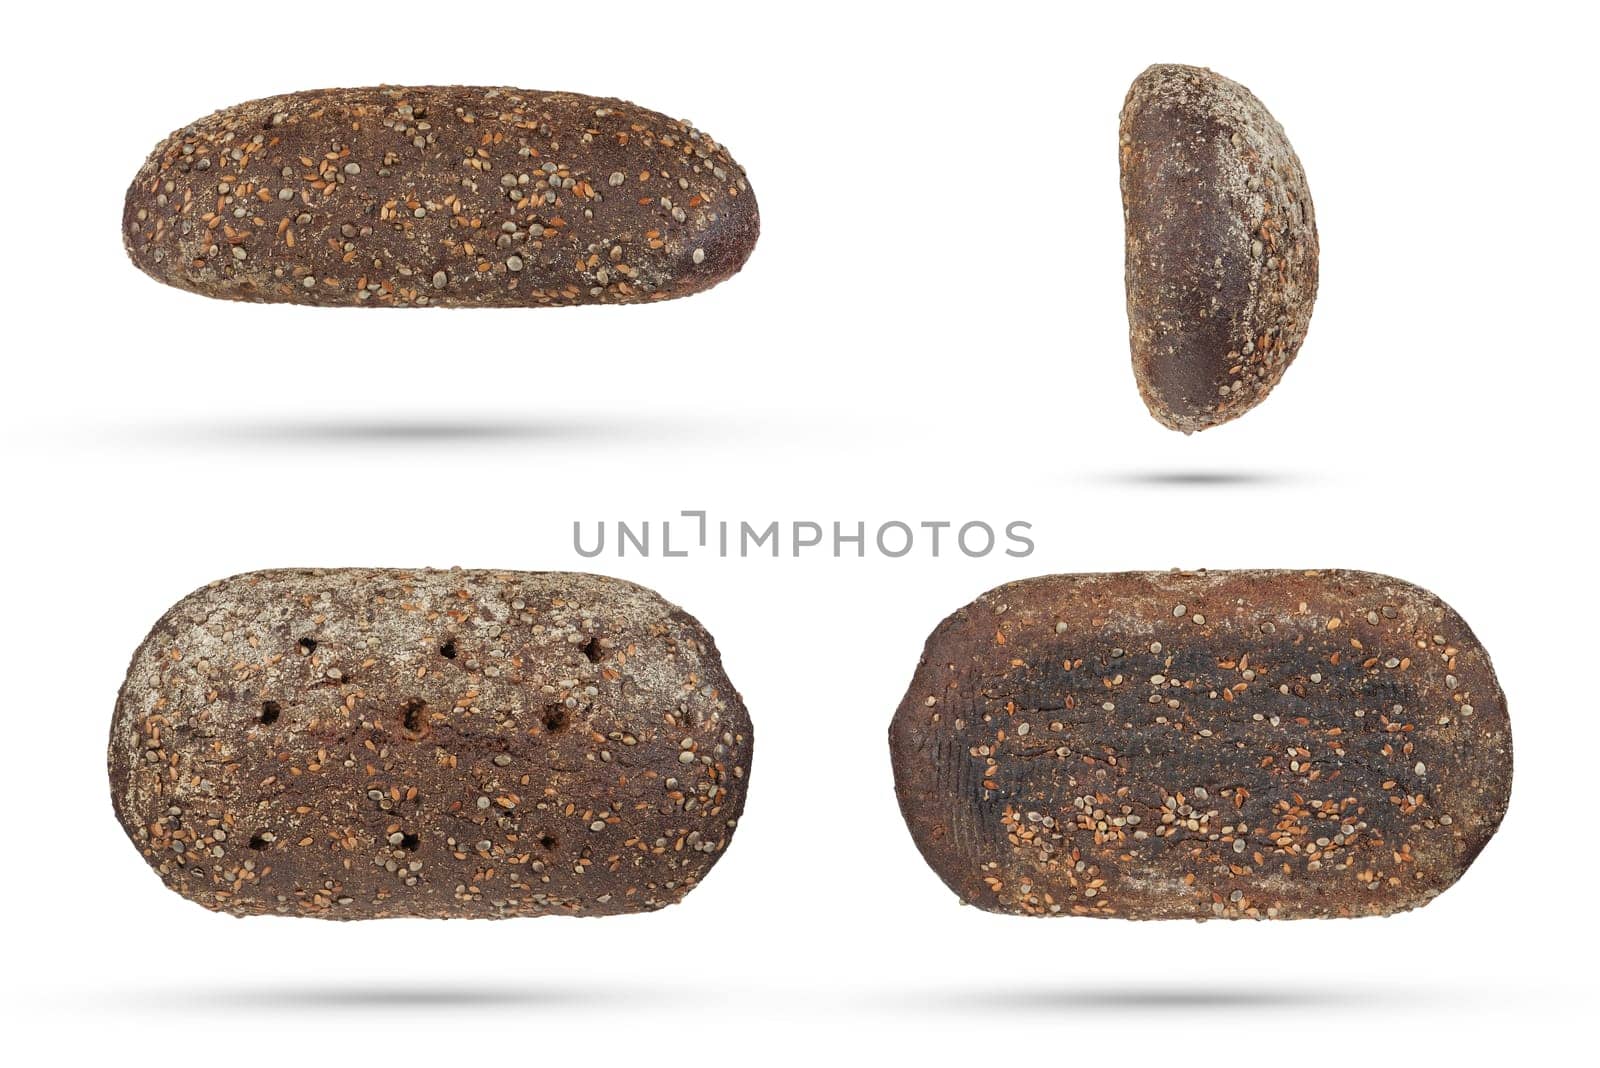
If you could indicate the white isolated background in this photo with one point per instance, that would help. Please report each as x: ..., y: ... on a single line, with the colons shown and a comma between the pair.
x: 931, y: 327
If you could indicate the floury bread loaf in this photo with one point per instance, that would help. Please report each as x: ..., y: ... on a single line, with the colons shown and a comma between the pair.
x: 351, y: 744
x: 1221, y: 246
x: 449, y: 196
x: 1240, y: 744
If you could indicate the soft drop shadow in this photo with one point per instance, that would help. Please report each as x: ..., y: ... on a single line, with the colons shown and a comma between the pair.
x: 1201, y: 479
x: 402, y: 431
x: 362, y: 996
x: 1134, y: 999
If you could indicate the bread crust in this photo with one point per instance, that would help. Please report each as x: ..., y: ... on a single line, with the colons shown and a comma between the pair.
x: 1221, y: 246
x: 441, y: 196
x: 1236, y: 744
x: 363, y: 743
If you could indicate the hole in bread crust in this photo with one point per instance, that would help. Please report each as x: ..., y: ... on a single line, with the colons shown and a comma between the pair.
x: 258, y: 842
x: 270, y: 711
x: 548, y: 841
x: 556, y: 718
x: 448, y: 650
x: 414, y: 717
x: 410, y: 841
x: 592, y: 650
x: 308, y: 646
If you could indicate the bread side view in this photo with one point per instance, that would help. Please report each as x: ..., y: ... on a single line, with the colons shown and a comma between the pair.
x: 1221, y: 246
x: 353, y: 744
x: 443, y: 196
x: 1237, y: 744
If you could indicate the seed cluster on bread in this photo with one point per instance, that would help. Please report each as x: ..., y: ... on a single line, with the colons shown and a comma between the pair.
x: 1221, y: 246
x: 360, y: 743
x: 449, y: 196
x: 1235, y: 744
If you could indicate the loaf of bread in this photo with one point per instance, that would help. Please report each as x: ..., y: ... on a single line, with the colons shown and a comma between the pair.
x: 447, y: 196
x: 1261, y: 744
x: 351, y: 744
x: 1221, y: 246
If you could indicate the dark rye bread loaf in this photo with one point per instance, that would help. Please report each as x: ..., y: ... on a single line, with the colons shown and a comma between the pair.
x: 449, y: 196
x: 352, y: 744
x: 1221, y: 246
x: 1262, y: 744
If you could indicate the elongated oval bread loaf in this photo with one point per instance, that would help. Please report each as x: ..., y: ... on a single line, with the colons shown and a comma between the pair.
x: 1264, y: 744
x: 350, y: 744
x: 450, y: 196
x: 1221, y: 246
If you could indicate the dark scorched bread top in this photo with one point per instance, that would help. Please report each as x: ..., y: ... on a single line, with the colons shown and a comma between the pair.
x: 449, y: 196
x: 1149, y: 745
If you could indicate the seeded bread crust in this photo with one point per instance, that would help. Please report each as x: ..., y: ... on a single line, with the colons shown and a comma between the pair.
x: 1221, y: 246
x: 1238, y: 744
x: 443, y: 196
x: 354, y: 744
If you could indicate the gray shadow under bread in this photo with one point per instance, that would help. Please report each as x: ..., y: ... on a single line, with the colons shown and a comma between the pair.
x: 403, y: 431
x: 1141, y: 998
x: 1202, y: 479
x: 365, y: 996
